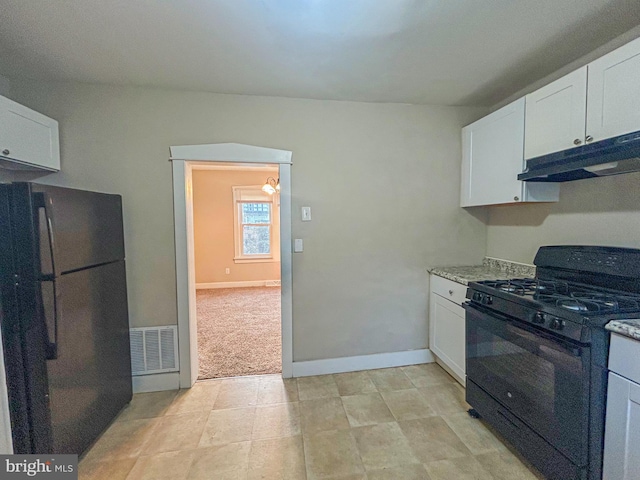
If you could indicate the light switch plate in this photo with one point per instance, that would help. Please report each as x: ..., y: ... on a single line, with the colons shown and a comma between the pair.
x: 306, y: 214
x: 298, y: 245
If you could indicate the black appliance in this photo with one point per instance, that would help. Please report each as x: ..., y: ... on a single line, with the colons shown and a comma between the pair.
x: 64, y: 316
x: 611, y: 156
x: 536, y: 354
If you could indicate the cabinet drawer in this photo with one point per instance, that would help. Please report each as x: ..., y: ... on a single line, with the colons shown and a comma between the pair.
x: 624, y: 357
x: 448, y: 289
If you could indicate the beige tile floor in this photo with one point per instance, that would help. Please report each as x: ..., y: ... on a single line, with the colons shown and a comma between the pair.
x: 407, y: 423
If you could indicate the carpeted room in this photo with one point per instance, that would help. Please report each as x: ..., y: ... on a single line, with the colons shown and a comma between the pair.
x: 237, y: 271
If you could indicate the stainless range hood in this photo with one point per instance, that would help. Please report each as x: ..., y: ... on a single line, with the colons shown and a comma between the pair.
x: 612, y: 156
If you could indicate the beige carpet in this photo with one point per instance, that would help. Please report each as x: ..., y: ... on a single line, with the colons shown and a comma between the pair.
x: 239, y: 331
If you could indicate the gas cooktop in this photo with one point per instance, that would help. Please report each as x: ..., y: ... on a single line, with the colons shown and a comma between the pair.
x: 570, y: 296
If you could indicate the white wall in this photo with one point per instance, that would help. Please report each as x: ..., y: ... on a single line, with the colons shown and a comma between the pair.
x: 5, y: 87
x: 596, y: 211
x: 382, y: 181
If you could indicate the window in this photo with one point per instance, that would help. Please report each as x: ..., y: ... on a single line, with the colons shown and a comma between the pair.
x: 256, y: 228
x: 255, y: 220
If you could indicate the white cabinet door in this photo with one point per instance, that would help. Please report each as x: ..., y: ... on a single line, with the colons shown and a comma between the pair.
x: 492, y: 157
x: 613, y: 98
x: 28, y: 137
x: 556, y: 113
x: 622, y: 431
x: 447, y: 333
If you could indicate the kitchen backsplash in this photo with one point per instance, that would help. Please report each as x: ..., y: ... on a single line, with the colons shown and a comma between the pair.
x: 510, y: 269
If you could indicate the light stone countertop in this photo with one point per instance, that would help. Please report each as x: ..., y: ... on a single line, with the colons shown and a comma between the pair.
x: 628, y: 328
x: 491, y: 269
x: 496, y: 269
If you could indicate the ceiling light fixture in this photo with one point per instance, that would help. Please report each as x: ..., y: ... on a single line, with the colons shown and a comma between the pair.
x: 271, y: 186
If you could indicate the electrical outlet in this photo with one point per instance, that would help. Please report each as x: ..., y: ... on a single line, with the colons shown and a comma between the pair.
x: 227, y: 271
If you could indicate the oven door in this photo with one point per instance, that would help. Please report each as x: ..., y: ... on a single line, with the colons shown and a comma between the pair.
x: 543, y: 380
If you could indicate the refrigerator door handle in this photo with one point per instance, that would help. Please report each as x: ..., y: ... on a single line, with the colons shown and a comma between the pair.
x: 52, y: 347
x: 41, y: 202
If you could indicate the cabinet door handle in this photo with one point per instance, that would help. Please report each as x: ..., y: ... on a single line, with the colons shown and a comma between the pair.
x: 450, y: 292
x: 589, y: 139
x: 6, y: 151
x: 577, y: 141
x: 517, y: 199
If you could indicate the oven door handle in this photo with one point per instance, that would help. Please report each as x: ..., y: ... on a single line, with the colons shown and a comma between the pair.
x: 535, y: 337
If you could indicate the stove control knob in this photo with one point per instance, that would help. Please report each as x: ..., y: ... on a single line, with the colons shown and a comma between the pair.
x: 556, y: 323
x: 487, y: 299
x: 477, y: 296
x: 538, y: 318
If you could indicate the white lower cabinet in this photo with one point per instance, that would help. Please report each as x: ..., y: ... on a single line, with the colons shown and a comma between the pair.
x: 622, y: 431
x: 447, y: 325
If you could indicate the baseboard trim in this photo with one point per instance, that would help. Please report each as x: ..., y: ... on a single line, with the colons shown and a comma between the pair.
x: 362, y: 362
x: 248, y: 283
x: 156, y: 382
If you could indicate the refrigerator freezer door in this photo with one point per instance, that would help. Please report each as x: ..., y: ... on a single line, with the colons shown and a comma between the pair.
x: 86, y: 227
x: 90, y: 380
x: 11, y: 373
x: 23, y: 328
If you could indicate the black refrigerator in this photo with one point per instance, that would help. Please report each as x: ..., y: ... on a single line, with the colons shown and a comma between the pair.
x: 64, y: 316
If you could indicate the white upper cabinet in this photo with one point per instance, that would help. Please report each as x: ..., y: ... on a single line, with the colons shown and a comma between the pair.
x: 596, y: 102
x: 492, y: 158
x: 555, y: 115
x: 28, y: 139
x: 613, y: 96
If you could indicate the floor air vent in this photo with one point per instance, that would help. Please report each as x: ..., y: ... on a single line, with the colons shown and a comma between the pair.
x: 154, y: 350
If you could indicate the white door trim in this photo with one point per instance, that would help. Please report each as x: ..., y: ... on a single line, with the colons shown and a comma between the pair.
x: 184, y: 158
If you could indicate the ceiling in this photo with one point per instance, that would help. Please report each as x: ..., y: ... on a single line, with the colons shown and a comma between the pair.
x: 446, y: 52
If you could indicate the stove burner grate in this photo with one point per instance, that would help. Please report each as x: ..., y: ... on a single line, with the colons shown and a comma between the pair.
x: 593, y: 302
x: 569, y: 296
x: 530, y: 286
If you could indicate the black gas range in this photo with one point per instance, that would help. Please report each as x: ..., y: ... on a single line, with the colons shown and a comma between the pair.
x: 536, y: 353
x: 564, y: 308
